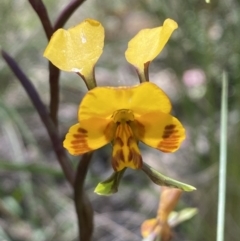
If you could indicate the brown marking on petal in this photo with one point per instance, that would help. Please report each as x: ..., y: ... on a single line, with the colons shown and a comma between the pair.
x: 110, y: 130
x: 75, y: 142
x: 170, y: 147
x: 118, y: 141
x: 133, y: 155
x: 167, y: 135
x: 118, y: 157
x: 170, y: 127
x: 169, y: 143
x: 79, y: 136
x: 130, y: 156
x: 81, y: 130
x: 170, y: 140
x: 77, y: 150
x: 130, y: 140
x: 79, y: 141
x: 141, y: 129
x: 169, y: 131
x: 137, y: 128
x: 136, y: 159
x: 115, y: 164
x: 81, y: 146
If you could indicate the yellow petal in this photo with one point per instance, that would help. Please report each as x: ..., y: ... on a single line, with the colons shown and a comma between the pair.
x: 77, y: 49
x: 104, y: 101
x: 88, y: 135
x: 159, y: 130
x: 148, y: 43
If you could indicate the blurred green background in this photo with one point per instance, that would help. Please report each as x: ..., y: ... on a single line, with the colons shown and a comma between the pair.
x: 35, y: 199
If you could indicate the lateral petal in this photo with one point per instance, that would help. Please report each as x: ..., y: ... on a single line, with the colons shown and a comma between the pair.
x: 159, y: 130
x: 88, y: 135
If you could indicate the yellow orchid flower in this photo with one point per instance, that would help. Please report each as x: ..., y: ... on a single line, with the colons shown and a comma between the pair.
x: 124, y: 116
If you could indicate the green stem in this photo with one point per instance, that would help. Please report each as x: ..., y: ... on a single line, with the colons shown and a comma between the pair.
x: 144, y: 75
x: 89, y: 80
x: 223, y: 160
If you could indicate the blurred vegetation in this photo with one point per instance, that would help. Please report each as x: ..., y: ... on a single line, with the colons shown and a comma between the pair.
x: 35, y: 200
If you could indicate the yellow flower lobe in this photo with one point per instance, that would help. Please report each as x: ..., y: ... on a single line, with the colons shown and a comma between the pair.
x: 77, y: 49
x: 147, y: 45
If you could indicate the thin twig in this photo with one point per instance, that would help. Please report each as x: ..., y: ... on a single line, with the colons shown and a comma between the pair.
x: 54, y: 74
x: 44, y: 115
x: 66, y: 13
x: 41, y: 11
x: 82, y: 203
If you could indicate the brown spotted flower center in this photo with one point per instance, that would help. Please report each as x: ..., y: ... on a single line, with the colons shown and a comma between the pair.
x: 125, y: 148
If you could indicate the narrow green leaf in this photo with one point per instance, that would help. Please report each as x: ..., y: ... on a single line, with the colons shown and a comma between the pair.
x: 162, y: 180
x: 110, y: 186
